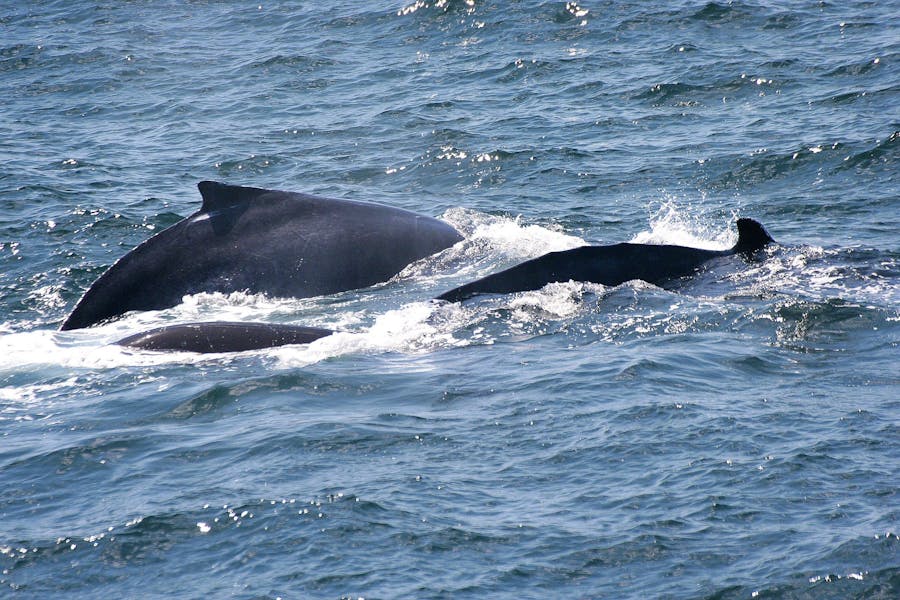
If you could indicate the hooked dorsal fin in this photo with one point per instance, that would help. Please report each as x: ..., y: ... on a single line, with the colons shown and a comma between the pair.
x: 751, y: 236
x: 218, y: 196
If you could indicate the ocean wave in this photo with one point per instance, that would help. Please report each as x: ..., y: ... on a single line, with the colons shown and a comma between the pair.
x: 884, y: 152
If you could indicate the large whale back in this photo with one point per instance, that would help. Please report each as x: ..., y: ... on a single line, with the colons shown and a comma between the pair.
x: 283, y: 244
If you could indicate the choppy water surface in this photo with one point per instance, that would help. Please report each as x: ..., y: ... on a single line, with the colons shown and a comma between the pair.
x: 736, y: 436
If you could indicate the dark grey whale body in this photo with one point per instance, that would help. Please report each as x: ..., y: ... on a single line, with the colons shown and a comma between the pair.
x: 283, y: 244
x: 609, y: 265
x: 222, y: 336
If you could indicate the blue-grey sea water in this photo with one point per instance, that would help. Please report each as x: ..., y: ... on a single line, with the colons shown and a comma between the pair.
x: 735, y: 436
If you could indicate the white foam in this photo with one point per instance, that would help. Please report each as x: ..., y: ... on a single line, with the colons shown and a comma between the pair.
x: 510, y: 235
x: 237, y: 306
x: 82, y: 349
x: 409, y: 329
x: 491, y: 242
x: 818, y: 274
x: 559, y: 299
x: 673, y: 225
x: 27, y: 394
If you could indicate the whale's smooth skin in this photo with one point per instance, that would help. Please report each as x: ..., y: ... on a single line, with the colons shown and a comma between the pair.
x: 610, y: 265
x: 282, y: 244
x: 222, y: 336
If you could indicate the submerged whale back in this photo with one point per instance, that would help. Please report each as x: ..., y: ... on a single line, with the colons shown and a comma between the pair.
x: 222, y: 336
x: 282, y: 244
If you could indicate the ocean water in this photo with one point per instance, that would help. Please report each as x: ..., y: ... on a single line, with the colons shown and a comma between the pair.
x: 735, y: 436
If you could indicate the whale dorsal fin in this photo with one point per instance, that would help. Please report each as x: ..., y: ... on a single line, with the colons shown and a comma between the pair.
x: 218, y: 196
x: 751, y: 236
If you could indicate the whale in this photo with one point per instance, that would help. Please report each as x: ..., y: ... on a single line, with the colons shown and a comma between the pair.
x: 277, y: 243
x: 611, y: 265
x: 608, y: 265
x: 222, y: 336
